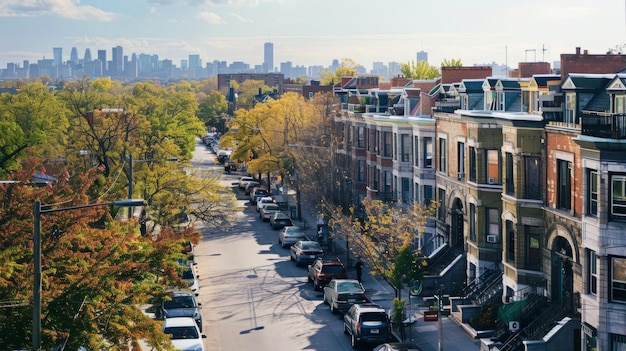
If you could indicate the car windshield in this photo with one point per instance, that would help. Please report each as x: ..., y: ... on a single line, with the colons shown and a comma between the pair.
x: 272, y: 208
x: 188, y: 274
x: 179, y: 333
x: 333, y: 269
x: 349, y: 287
x: 179, y: 302
x: 260, y: 193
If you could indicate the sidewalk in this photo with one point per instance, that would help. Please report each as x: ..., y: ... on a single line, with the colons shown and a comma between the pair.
x: 424, y: 333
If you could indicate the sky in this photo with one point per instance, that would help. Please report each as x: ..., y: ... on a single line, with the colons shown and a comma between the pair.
x: 314, y: 32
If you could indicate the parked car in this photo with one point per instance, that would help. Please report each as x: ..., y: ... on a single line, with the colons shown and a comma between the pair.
x: 184, y: 333
x: 243, y: 181
x: 398, y: 346
x: 258, y: 192
x: 181, y: 304
x: 250, y: 185
x: 341, y: 294
x: 280, y: 220
x: 290, y: 235
x: 190, y: 276
x: 268, y: 210
x: 305, y: 252
x: 367, y: 323
x: 322, y: 271
x: 230, y: 166
x: 263, y: 200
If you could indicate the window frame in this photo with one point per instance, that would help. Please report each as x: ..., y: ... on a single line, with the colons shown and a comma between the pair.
x: 593, y: 192
x: 613, y: 213
x: 621, y: 282
x: 443, y: 152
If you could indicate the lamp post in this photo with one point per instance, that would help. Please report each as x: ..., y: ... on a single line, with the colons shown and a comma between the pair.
x: 37, y: 212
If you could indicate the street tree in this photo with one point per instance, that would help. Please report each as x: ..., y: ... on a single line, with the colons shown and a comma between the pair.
x: 213, y: 109
x: 419, y: 70
x: 386, y: 238
x: 96, y: 271
x: 32, y: 122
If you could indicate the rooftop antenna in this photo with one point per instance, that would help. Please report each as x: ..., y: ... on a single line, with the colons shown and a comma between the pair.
x: 543, y: 52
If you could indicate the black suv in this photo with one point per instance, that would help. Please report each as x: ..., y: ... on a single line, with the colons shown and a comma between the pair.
x: 367, y: 323
x: 322, y: 271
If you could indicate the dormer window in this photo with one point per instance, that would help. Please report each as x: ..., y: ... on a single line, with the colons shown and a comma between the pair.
x: 619, y: 106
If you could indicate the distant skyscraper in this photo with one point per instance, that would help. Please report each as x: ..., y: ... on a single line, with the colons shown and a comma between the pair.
x: 74, y: 56
x: 87, y: 57
x: 102, y: 57
x: 422, y: 56
x: 268, y: 57
x: 117, y: 61
x: 57, y: 58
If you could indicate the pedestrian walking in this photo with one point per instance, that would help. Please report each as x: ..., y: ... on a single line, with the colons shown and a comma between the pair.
x: 359, y: 270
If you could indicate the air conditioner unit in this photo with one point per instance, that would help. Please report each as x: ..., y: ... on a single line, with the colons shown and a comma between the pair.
x: 514, y: 326
x: 492, y: 238
x: 491, y: 180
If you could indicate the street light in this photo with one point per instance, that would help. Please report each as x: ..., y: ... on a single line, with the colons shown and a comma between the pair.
x: 37, y: 212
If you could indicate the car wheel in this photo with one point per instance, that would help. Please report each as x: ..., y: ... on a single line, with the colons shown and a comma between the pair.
x: 355, y: 343
x: 316, y: 285
x: 332, y: 309
x: 309, y: 280
x: 345, y: 329
x: 326, y: 302
x: 291, y: 258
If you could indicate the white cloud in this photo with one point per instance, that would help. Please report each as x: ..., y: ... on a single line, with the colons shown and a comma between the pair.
x: 210, y: 17
x: 241, y: 18
x: 70, y: 9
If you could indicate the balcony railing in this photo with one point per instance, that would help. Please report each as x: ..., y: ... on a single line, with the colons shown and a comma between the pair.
x: 610, y: 126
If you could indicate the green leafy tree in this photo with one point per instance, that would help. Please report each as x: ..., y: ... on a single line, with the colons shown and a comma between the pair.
x: 212, y: 109
x: 419, y: 70
x: 32, y: 122
x: 451, y: 63
x: 347, y: 68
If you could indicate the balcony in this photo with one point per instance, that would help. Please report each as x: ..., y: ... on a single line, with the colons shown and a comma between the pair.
x: 609, y: 126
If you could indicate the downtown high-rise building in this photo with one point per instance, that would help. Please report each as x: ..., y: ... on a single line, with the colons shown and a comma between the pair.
x: 268, y: 57
x: 117, y: 61
x: 87, y: 57
x: 74, y: 56
x: 422, y: 56
x: 57, y: 56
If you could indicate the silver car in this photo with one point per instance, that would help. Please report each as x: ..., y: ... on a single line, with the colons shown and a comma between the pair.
x: 341, y: 294
x: 290, y: 235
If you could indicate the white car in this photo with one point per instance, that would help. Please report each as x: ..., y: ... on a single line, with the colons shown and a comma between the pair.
x: 243, y: 181
x: 262, y: 201
x: 268, y: 210
x: 184, y: 333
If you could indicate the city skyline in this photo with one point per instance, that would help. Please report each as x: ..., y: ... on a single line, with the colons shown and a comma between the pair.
x: 311, y: 33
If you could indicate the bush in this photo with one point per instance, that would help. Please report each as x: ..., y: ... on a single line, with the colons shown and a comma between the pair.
x: 397, y: 314
x: 486, y: 319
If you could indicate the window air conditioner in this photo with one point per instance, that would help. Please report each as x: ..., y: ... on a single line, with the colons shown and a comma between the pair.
x: 492, y: 238
x: 491, y: 180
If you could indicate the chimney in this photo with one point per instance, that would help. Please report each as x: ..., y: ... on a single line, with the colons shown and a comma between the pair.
x: 578, y: 50
x: 585, y: 52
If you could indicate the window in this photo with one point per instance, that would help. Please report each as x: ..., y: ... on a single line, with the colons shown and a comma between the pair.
x: 416, y: 194
x: 472, y: 222
x: 428, y: 152
x: 460, y: 149
x: 407, y: 196
x: 592, y: 287
x: 592, y: 192
x: 493, y: 222
x: 428, y: 194
x: 618, y: 197
x: 570, y: 108
x: 532, y: 172
x: 441, y: 211
x: 510, y: 241
x: 443, y: 146
x: 510, y: 183
x: 493, y: 167
x: 618, y: 279
x: 416, y: 151
x: 533, y: 251
x: 360, y: 137
x: 500, y: 96
x: 564, y: 186
x: 376, y: 179
x: 405, y: 147
x: 472, y: 164
x: 387, y: 144
x: 395, y: 146
x: 387, y: 182
x: 361, y: 171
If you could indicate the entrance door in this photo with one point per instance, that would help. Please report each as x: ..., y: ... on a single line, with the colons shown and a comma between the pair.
x: 562, y: 280
x: 456, y: 228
